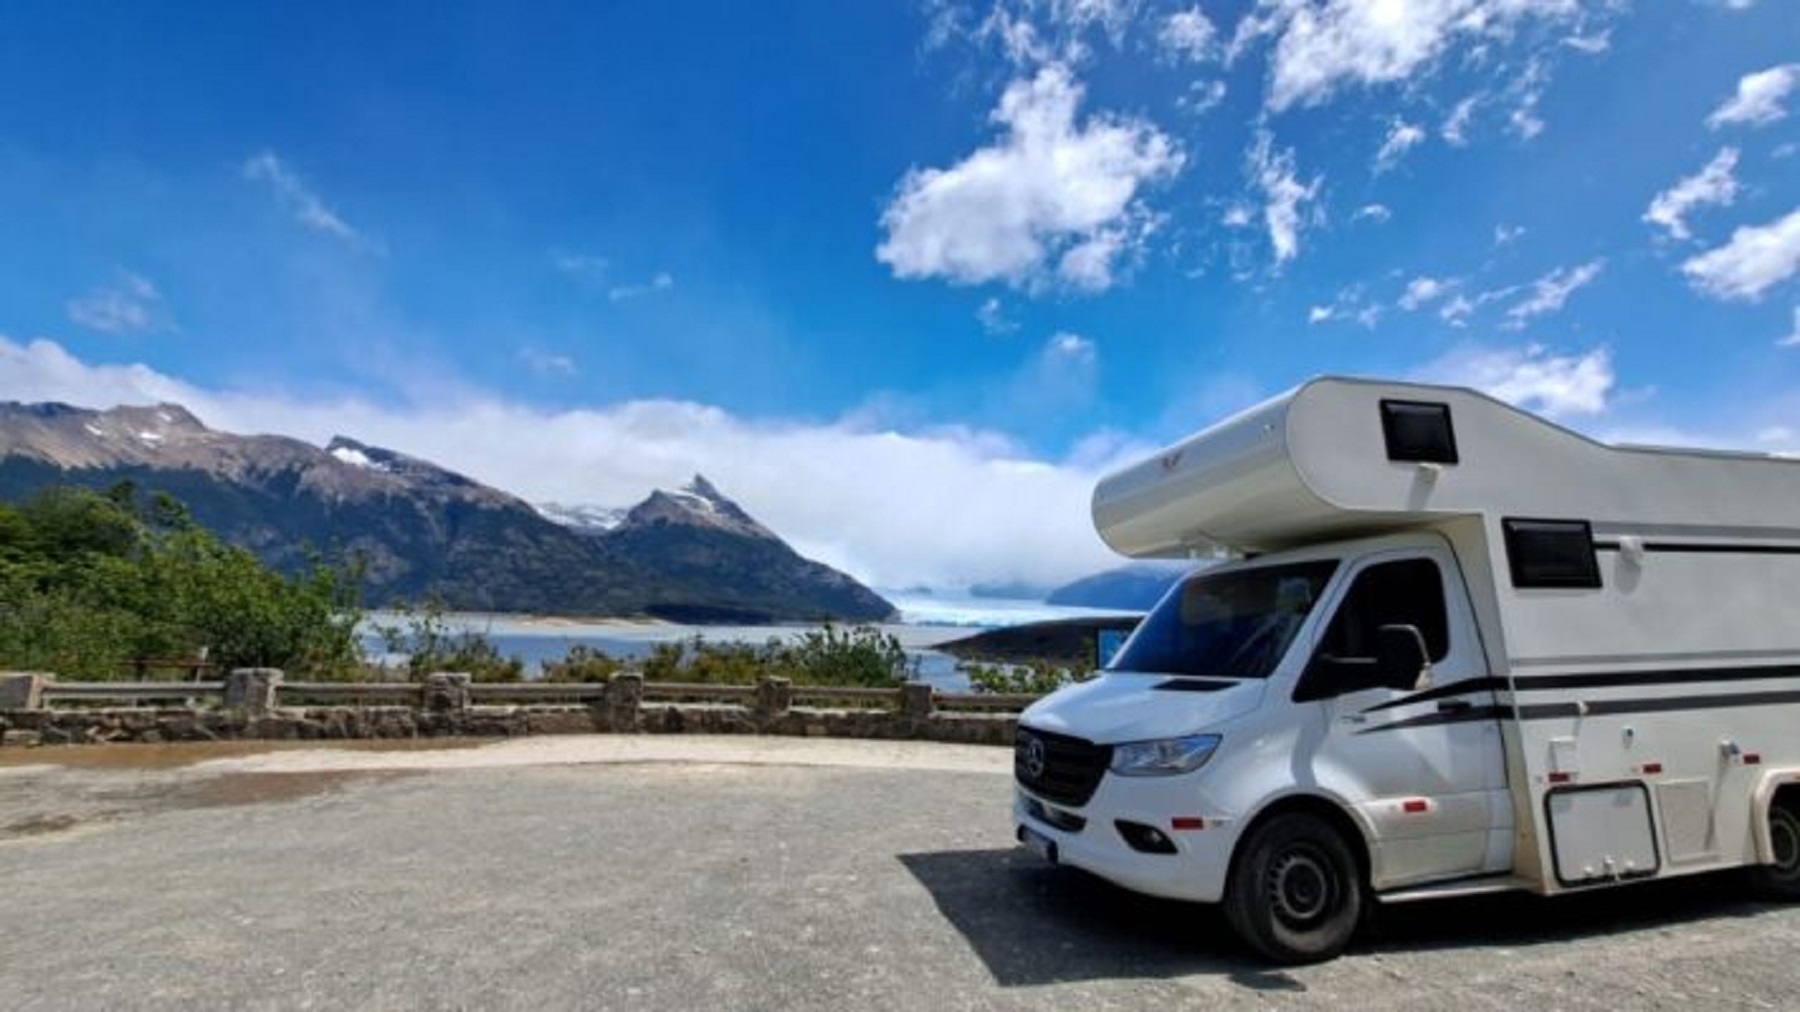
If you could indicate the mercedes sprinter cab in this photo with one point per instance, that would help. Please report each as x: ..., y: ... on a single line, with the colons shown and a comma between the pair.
x: 1458, y: 650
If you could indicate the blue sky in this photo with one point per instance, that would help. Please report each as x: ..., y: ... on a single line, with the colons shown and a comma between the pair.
x: 903, y: 278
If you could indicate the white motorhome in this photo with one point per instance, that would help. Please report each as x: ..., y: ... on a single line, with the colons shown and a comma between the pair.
x: 1459, y: 649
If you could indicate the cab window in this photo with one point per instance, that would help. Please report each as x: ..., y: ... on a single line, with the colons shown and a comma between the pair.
x: 1408, y: 592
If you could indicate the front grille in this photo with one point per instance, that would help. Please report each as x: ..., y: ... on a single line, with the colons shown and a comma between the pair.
x: 1072, y: 767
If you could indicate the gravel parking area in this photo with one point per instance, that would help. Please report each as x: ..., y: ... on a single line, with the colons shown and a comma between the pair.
x: 671, y: 873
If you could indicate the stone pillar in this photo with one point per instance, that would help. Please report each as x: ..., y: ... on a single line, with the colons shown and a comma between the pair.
x: 915, y: 700
x: 624, y: 694
x: 22, y: 690
x: 252, y: 690
x: 774, y: 696
x: 447, y: 691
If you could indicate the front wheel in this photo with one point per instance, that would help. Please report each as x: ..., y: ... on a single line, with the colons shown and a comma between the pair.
x: 1781, y: 880
x: 1295, y: 894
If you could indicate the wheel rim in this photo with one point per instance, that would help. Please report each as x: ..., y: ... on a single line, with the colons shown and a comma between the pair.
x: 1302, y: 887
x: 1784, y: 834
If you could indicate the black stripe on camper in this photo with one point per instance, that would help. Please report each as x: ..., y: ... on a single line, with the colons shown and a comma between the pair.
x: 1473, y: 713
x: 1444, y: 691
x: 1677, y: 548
x: 1618, y: 707
x: 1658, y: 676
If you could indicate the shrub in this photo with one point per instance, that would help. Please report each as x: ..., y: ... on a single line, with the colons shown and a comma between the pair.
x: 583, y: 664
x: 431, y: 644
x: 1034, y: 678
x: 859, y: 655
x: 90, y: 582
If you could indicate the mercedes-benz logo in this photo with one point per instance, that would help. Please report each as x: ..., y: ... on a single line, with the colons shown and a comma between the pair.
x: 1033, y: 759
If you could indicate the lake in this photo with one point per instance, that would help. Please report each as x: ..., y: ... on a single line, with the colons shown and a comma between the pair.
x: 926, y: 620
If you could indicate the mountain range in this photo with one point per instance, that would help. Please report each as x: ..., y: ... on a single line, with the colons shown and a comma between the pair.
x: 421, y: 530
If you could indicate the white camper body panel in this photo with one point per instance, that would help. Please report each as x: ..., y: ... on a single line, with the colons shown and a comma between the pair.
x: 1647, y: 720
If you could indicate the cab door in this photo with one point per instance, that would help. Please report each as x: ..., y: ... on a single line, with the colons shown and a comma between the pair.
x: 1422, y: 763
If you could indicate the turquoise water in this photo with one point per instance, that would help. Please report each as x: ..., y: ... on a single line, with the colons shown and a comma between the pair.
x: 927, y: 621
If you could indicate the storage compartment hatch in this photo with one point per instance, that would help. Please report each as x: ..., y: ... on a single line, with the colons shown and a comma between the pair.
x: 1601, y: 833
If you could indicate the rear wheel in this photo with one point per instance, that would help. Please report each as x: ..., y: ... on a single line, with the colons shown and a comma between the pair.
x: 1781, y: 880
x: 1295, y: 893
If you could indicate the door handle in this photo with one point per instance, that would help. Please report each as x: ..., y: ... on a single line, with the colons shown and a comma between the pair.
x: 1454, y: 705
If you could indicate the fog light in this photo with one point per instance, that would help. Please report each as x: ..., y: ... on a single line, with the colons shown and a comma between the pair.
x: 1145, y: 839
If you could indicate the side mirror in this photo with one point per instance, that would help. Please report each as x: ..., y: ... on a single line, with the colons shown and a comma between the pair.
x: 1402, y: 660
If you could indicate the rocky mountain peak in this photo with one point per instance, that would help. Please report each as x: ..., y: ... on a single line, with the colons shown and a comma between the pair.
x: 699, y: 503
x: 164, y: 418
x: 69, y: 436
x: 380, y: 460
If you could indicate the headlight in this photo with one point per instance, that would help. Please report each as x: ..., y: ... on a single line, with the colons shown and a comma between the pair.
x: 1163, y: 757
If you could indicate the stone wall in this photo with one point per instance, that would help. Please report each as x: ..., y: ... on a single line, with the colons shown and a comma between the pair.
x: 147, y: 725
x: 251, y: 709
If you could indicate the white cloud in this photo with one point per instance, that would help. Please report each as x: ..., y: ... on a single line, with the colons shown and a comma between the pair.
x: 1351, y: 305
x: 132, y: 305
x: 662, y: 282
x: 1713, y: 184
x: 1759, y: 97
x: 1073, y: 347
x: 1201, y: 97
x: 1401, y: 138
x: 1590, y: 45
x: 546, y: 363
x: 1457, y: 309
x: 1326, y: 44
x: 1377, y: 213
x: 1530, y: 377
x: 307, y: 207
x: 1088, y: 265
x: 1112, y: 16
x: 939, y: 507
x: 1524, y: 121
x: 1456, y: 125
x: 580, y: 266
x: 1507, y: 234
x: 1423, y: 290
x: 1047, y: 186
x: 1792, y: 340
x: 1189, y: 35
x: 1757, y: 258
x: 994, y: 320
x: 1550, y: 292
x: 1018, y: 38
x: 1283, y: 195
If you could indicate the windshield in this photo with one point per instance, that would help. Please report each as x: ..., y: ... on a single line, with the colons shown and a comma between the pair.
x: 1235, y: 624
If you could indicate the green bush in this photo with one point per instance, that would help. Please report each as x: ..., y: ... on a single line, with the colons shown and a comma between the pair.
x: 431, y: 644
x: 859, y: 655
x: 1035, y: 678
x: 583, y: 664
x: 90, y: 583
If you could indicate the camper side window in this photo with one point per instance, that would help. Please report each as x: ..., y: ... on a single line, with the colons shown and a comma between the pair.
x: 1409, y: 592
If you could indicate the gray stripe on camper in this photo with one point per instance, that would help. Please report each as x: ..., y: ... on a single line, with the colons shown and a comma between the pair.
x: 1595, y: 660
x: 1603, y: 527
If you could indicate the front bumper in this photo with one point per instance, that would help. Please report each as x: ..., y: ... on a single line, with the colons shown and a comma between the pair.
x: 1089, y: 837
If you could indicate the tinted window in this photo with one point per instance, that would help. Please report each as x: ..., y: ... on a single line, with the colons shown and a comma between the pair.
x: 1234, y: 625
x: 1551, y: 553
x: 1391, y: 593
x: 1418, y: 431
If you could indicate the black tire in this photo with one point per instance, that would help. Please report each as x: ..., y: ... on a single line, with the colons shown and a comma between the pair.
x: 1295, y: 892
x: 1781, y: 880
